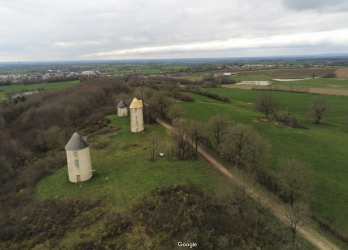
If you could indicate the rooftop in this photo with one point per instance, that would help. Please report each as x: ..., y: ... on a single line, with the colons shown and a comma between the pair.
x: 76, y: 143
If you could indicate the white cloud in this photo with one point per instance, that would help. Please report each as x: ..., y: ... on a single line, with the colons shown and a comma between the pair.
x: 60, y: 30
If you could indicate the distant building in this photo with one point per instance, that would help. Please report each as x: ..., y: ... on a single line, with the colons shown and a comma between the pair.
x: 88, y: 73
x: 259, y: 83
x: 122, y: 109
x: 136, y: 115
x: 228, y: 74
x: 79, y: 160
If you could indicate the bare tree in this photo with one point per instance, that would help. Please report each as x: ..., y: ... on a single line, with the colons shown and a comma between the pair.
x: 179, y: 135
x: 175, y: 111
x: 318, y: 108
x: 154, y: 142
x: 266, y: 104
x: 294, y: 217
x: 236, y: 198
x: 245, y: 148
x: 240, y: 198
x: 218, y: 126
x: 295, y: 179
x: 195, y: 133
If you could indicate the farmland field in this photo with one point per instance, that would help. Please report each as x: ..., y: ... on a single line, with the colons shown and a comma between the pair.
x: 19, y: 88
x: 342, y: 72
x: 323, y: 147
x: 124, y: 172
x: 290, y: 73
x: 329, y: 83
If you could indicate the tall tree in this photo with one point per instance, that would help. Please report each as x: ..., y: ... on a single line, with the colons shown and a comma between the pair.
x: 294, y: 218
x: 318, y: 108
x: 295, y: 179
x: 218, y: 126
x: 195, y: 133
x: 245, y: 148
x: 175, y: 111
x: 267, y: 104
x: 179, y: 135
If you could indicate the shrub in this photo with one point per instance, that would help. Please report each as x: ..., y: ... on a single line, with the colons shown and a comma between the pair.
x: 288, y: 119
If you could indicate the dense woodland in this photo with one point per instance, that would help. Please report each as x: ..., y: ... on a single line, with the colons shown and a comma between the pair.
x: 34, y: 131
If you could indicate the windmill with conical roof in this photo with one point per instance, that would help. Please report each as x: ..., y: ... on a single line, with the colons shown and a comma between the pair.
x: 136, y: 115
x: 122, y: 109
x: 78, y: 158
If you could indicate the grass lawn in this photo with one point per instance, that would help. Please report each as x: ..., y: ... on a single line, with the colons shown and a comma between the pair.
x: 124, y: 172
x: 53, y: 85
x: 323, y: 147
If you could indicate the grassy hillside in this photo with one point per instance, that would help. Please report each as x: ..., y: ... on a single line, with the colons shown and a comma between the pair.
x: 124, y: 172
x: 323, y: 147
x: 19, y: 88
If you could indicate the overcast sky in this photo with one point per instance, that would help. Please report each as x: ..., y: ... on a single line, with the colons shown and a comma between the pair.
x: 35, y: 30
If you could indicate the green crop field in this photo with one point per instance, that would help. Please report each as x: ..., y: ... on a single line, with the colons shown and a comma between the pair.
x: 323, y: 147
x: 327, y: 83
x: 19, y: 88
x: 124, y: 172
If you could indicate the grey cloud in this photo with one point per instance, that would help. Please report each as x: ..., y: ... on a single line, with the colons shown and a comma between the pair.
x: 322, y: 5
x: 55, y: 29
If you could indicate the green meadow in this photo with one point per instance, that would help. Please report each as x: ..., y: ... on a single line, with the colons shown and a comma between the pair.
x: 327, y: 83
x: 22, y: 87
x: 323, y: 147
x: 123, y: 171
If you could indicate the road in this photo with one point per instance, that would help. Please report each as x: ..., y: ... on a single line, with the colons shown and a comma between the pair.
x: 278, y: 208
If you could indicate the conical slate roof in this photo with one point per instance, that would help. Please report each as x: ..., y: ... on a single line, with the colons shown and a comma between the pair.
x: 136, y: 104
x: 122, y: 105
x: 76, y: 143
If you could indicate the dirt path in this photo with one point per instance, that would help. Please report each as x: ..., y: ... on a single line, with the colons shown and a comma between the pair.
x: 277, y: 208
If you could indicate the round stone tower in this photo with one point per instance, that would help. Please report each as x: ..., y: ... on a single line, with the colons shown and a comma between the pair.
x: 79, y: 160
x: 136, y: 115
x: 122, y: 109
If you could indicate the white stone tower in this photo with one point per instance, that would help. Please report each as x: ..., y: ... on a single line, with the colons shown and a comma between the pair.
x: 136, y: 115
x: 79, y: 160
x: 122, y: 109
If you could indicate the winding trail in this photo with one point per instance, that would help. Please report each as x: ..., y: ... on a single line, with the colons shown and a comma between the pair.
x: 277, y: 208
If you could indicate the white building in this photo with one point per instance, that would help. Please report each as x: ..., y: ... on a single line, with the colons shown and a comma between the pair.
x: 136, y: 115
x: 122, y: 109
x: 258, y: 83
x: 79, y: 160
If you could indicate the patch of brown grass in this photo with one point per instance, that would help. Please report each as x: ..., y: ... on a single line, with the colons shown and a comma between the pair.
x: 342, y: 72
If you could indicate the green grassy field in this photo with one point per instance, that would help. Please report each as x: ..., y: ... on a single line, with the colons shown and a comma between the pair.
x: 294, y: 102
x: 195, y: 76
x: 124, y: 172
x: 323, y: 147
x: 19, y: 88
x: 327, y: 83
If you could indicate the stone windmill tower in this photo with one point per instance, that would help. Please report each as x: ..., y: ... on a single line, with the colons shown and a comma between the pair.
x: 79, y: 160
x: 136, y: 115
x: 122, y: 109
